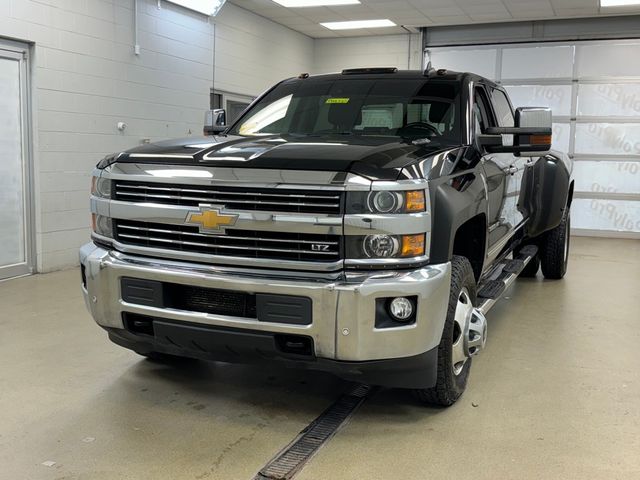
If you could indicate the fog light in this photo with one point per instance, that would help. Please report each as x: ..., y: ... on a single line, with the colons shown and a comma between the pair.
x: 401, y: 308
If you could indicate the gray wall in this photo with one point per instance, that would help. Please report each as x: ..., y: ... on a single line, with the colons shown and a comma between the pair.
x: 86, y: 78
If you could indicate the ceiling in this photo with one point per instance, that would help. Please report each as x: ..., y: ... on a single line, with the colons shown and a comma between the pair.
x: 421, y: 13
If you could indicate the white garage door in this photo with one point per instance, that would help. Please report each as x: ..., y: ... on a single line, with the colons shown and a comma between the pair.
x: 594, y: 91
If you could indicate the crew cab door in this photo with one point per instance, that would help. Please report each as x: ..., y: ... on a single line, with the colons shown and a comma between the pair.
x: 503, y: 111
x: 503, y: 175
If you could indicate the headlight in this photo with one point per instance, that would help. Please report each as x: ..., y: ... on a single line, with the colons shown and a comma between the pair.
x: 102, y: 225
x: 380, y: 246
x: 385, y: 201
x: 385, y: 246
x: 101, y: 187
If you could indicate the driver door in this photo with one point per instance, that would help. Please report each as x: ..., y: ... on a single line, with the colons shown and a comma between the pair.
x: 503, y: 184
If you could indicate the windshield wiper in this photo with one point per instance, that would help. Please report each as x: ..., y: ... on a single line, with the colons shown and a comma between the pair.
x: 297, y: 134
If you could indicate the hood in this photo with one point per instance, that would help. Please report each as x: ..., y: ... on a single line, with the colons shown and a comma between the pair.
x: 377, y: 158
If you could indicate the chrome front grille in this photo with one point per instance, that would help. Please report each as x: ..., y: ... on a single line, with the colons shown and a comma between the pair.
x: 233, y: 198
x: 234, y: 243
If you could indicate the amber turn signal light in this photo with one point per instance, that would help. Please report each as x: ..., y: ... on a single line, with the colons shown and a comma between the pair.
x: 540, y: 139
x: 415, y: 201
x: 412, y: 245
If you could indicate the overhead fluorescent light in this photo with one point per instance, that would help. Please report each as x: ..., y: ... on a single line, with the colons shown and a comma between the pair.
x: 358, y: 24
x: 207, y: 7
x: 315, y: 3
x: 619, y: 3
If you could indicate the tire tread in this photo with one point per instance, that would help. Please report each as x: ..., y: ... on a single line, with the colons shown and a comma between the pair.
x: 552, y: 255
x: 445, y: 392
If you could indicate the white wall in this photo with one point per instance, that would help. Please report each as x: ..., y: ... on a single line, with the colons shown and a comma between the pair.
x: 254, y: 53
x: 335, y: 54
x: 86, y: 78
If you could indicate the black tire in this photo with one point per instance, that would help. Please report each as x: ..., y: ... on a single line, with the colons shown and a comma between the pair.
x: 531, y: 270
x: 554, y: 251
x: 449, y: 387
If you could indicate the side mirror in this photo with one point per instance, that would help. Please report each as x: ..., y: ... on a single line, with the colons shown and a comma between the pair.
x: 215, y: 121
x: 531, y: 135
x: 537, y: 140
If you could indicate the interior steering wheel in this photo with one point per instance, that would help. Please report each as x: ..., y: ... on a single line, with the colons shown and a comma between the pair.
x: 422, y: 126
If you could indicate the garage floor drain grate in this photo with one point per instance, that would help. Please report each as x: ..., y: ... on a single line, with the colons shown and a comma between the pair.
x: 291, y: 459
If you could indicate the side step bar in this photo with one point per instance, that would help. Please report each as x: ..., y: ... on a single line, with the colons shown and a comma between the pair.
x: 491, y: 290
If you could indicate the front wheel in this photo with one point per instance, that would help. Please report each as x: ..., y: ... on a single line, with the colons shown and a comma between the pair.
x: 463, y: 336
x: 554, y: 255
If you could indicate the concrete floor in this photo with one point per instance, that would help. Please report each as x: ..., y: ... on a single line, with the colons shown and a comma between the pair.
x: 556, y: 395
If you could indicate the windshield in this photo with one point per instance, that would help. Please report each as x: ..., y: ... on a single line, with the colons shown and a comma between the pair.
x: 405, y: 108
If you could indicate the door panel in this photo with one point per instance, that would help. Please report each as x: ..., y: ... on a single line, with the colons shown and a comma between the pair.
x: 505, y: 118
x: 497, y: 190
x: 503, y: 184
x: 503, y: 179
x: 15, y: 234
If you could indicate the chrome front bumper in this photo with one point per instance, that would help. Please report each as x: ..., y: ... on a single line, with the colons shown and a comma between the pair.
x: 343, y: 311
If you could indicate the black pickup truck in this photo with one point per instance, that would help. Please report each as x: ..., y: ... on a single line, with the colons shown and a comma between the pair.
x: 361, y: 223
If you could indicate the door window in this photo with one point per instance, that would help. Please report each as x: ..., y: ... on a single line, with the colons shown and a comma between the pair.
x: 504, y: 113
x: 503, y: 109
x: 481, y: 111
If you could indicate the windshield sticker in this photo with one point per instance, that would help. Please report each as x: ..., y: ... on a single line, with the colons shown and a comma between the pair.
x: 337, y: 100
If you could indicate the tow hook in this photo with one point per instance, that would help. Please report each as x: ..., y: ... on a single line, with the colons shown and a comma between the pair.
x: 475, y: 337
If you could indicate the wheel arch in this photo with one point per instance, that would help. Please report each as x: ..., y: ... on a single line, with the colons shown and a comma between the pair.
x: 460, y: 224
x: 570, y: 197
x: 470, y: 241
x: 546, y: 193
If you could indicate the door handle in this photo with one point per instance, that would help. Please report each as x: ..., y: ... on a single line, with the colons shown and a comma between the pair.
x: 512, y: 170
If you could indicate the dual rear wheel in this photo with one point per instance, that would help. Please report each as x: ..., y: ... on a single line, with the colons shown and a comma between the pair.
x: 553, y: 251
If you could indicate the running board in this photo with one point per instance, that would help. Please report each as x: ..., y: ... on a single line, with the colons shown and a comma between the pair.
x: 491, y: 290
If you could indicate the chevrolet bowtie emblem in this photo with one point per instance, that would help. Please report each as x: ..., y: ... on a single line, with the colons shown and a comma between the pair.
x: 211, y: 219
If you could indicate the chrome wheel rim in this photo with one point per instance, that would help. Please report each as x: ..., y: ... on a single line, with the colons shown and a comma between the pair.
x: 461, y: 319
